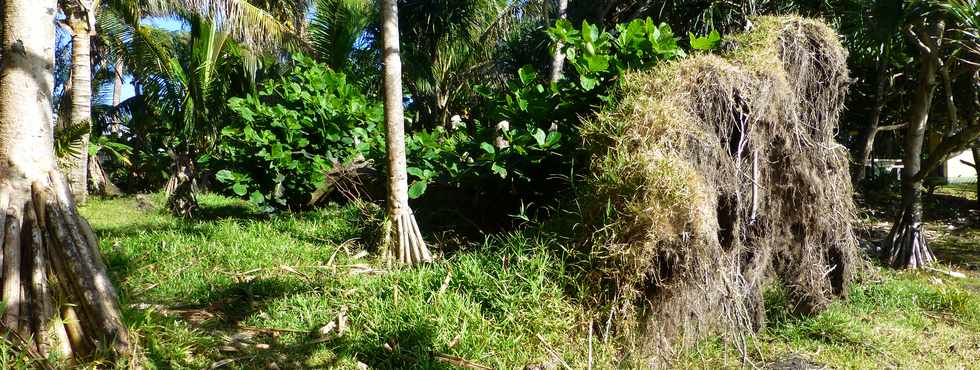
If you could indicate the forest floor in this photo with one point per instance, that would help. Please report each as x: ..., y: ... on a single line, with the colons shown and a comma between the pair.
x: 239, y: 290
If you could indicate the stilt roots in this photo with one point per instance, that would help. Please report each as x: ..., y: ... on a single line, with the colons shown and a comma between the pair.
x: 181, y: 187
x: 907, y: 247
x: 404, y: 239
x: 99, y: 181
x: 57, y: 296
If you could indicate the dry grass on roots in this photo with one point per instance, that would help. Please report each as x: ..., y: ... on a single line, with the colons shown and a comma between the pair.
x: 714, y: 175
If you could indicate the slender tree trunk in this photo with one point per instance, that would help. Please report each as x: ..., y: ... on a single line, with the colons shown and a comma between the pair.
x: 81, y: 91
x: 907, y: 244
x: 97, y: 177
x: 57, y: 295
x: 558, y: 60
x: 117, y: 82
x: 871, y: 133
x: 402, y: 234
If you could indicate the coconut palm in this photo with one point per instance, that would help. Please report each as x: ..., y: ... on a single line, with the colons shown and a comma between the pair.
x: 80, y: 23
x: 181, y: 80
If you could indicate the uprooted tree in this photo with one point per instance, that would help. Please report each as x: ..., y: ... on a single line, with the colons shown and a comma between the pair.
x: 715, y: 176
x: 57, y: 296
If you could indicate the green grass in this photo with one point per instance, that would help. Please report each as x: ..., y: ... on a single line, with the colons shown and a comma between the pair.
x: 191, y: 287
x: 967, y: 190
x: 242, y: 290
x: 902, y: 320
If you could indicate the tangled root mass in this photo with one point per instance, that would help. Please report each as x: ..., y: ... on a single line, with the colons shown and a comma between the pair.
x: 714, y: 176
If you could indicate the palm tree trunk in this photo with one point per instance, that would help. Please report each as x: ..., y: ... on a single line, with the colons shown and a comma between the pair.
x: 58, y: 296
x: 907, y: 246
x: 402, y: 234
x: 558, y: 61
x: 117, y: 83
x: 81, y: 98
x: 99, y: 179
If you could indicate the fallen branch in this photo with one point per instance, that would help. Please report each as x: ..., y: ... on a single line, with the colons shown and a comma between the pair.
x: 553, y: 352
x: 892, y: 127
x: 955, y: 274
x: 453, y: 360
x: 266, y: 330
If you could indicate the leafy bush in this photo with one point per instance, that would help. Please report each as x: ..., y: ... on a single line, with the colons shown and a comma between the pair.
x: 300, y: 125
x: 293, y: 132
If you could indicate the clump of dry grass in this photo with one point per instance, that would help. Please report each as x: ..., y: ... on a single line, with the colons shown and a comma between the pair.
x: 714, y: 175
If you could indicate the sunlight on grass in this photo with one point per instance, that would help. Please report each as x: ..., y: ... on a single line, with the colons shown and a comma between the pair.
x: 904, y: 320
x: 194, y: 290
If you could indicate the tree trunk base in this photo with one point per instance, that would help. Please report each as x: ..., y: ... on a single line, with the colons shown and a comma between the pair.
x: 181, y: 188
x: 907, y: 246
x: 99, y: 179
x: 404, y: 239
x: 58, y: 297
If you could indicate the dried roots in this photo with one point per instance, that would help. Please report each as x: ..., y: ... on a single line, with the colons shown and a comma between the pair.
x: 714, y: 176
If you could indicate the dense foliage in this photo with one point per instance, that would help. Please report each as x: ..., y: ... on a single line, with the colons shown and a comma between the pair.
x: 312, y: 120
x: 296, y: 129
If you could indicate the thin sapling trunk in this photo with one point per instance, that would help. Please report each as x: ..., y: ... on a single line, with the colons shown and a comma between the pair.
x: 401, y: 234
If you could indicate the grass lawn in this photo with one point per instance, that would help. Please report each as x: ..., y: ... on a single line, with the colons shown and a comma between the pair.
x: 239, y: 290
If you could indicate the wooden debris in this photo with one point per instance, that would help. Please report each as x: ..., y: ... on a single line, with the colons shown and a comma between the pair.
x: 458, y: 361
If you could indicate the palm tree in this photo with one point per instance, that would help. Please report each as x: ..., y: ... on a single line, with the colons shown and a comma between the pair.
x: 403, y: 236
x: 184, y: 83
x: 80, y: 23
x: 76, y: 312
x: 335, y: 28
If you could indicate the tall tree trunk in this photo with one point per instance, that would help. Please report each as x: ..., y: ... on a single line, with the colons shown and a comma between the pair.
x: 58, y: 297
x: 117, y: 82
x: 402, y: 234
x: 871, y: 133
x: 907, y: 246
x: 80, y: 12
x: 558, y: 60
x: 117, y: 87
x: 98, y: 179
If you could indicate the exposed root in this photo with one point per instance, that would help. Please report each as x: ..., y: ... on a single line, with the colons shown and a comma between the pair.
x: 907, y: 246
x: 99, y: 181
x: 181, y: 188
x: 56, y: 291
x: 404, y: 239
x: 714, y: 176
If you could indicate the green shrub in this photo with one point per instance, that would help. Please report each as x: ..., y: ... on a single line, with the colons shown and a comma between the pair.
x: 293, y: 132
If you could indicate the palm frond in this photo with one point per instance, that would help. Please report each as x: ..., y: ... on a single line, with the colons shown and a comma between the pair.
x: 68, y: 139
x: 247, y: 23
x: 336, y: 26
